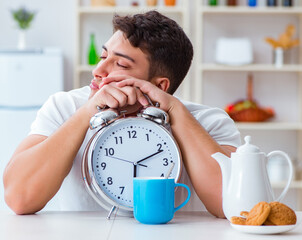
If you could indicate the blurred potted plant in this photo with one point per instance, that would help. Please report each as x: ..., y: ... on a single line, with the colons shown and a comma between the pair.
x: 23, y: 17
x: 283, y: 44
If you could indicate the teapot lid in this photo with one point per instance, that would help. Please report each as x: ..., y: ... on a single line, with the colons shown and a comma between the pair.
x: 247, y: 147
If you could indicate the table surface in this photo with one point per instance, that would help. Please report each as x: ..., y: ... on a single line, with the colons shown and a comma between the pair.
x: 94, y: 225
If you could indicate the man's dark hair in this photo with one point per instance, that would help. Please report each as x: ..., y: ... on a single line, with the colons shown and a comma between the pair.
x: 163, y: 40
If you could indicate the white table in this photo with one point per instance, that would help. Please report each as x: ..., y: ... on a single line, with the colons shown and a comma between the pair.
x: 94, y: 225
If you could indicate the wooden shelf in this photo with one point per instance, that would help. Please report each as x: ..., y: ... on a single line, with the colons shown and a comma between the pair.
x: 249, y: 10
x: 252, y: 67
x: 270, y: 126
x: 130, y: 9
x: 212, y: 22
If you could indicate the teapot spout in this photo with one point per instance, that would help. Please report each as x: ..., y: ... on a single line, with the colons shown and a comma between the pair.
x: 225, y: 166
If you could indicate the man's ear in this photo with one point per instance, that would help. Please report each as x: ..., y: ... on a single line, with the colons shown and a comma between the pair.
x: 161, y: 82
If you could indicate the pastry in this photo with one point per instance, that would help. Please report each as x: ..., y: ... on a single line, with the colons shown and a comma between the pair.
x: 268, y: 223
x: 268, y: 214
x: 281, y: 214
x: 258, y: 214
x: 238, y: 220
x: 244, y: 214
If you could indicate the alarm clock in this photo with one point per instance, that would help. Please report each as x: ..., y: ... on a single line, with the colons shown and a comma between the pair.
x: 125, y: 147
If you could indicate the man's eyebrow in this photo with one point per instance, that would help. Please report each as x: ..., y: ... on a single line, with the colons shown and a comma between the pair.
x: 120, y: 54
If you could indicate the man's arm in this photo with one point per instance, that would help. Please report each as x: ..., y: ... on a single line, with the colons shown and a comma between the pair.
x: 195, y: 143
x: 197, y: 146
x: 40, y: 164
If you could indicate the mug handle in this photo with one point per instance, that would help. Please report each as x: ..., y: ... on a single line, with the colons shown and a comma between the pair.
x: 188, y: 197
x: 276, y: 153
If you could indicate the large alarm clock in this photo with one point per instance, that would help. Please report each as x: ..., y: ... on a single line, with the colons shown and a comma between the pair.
x: 125, y: 147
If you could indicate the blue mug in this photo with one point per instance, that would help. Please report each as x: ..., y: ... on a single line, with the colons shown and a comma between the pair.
x: 153, y: 199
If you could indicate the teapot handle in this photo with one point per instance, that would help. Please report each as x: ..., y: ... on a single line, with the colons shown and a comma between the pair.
x: 278, y: 153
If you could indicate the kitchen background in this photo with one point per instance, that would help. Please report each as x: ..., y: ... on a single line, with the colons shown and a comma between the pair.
x: 65, y: 27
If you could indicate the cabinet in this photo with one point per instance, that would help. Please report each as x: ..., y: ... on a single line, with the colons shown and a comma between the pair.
x: 98, y: 20
x: 281, y: 88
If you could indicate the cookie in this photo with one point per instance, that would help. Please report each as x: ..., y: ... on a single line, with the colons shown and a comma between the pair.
x: 238, y: 220
x: 244, y: 214
x: 268, y: 223
x: 258, y: 214
x: 281, y: 214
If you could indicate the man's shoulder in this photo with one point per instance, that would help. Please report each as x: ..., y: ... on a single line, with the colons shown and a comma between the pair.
x: 58, y: 109
x: 193, y: 106
x: 64, y: 104
x: 76, y: 96
x: 196, y: 108
x: 80, y: 92
x: 216, y: 122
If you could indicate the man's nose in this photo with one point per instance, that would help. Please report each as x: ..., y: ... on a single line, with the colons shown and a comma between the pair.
x: 101, y: 70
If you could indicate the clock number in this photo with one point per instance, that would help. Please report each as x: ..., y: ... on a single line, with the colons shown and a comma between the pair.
x: 162, y: 175
x: 109, y: 181
x: 109, y: 151
x: 103, y: 165
x: 165, y: 162
x: 159, y: 147
x: 148, y: 139
x: 122, y: 189
x: 132, y: 134
x: 118, y: 140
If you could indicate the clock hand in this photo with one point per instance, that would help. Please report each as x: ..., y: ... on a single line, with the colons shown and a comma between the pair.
x: 126, y: 161
x: 134, y: 170
x: 137, y: 162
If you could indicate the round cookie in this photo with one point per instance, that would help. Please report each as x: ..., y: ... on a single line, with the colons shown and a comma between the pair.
x: 281, y: 214
x: 258, y: 214
x: 238, y: 220
x: 268, y: 223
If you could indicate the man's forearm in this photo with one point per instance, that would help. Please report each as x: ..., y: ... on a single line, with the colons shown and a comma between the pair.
x: 37, y: 169
x: 197, y: 146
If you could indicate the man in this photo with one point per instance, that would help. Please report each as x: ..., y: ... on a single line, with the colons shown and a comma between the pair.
x: 148, y: 54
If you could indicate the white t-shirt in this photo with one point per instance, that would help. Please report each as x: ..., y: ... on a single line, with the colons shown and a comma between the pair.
x: 72, y: 195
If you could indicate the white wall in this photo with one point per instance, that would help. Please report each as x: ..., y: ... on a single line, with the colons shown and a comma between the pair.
x: 53, y: 26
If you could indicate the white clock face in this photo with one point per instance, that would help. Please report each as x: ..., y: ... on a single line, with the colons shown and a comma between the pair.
x: 132, y: 147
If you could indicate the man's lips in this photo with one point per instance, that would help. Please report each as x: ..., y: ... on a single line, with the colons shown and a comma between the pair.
x: 93, y: 85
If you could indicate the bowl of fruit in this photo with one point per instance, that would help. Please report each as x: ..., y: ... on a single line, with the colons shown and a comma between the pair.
x: 248, y: 110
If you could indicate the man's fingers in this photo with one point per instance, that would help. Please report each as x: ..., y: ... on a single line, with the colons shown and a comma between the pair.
x: 141, y: 98
x: 144, y: 86
x: 117, y: 78
x: 154, y: 93
x: 131, y: 94
x: 127, y: 85
x: 113, y: 97
x: 126, y: 82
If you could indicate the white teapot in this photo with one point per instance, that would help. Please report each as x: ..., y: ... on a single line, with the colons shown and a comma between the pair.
x: 245, y: 180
